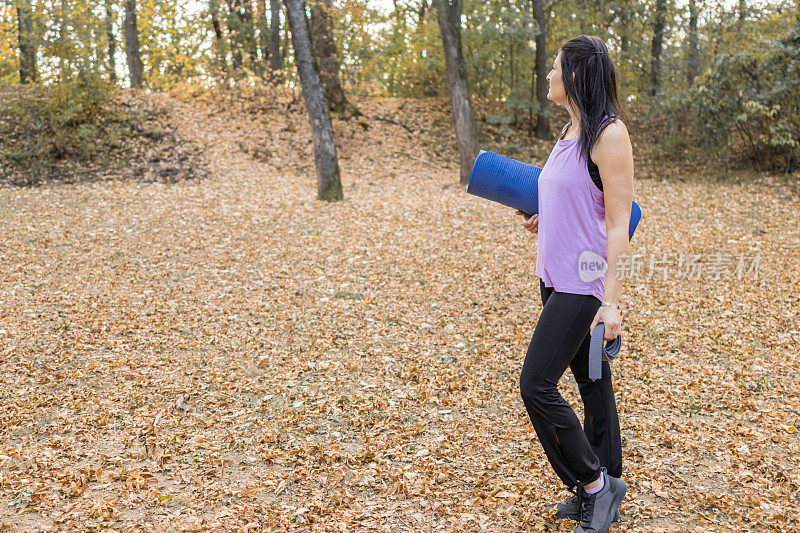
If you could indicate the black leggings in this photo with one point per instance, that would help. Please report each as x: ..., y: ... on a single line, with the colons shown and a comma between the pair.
x: 561, y: 339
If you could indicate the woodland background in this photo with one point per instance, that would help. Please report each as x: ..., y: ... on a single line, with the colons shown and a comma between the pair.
x: 720, y: 75
x: 215, y: 317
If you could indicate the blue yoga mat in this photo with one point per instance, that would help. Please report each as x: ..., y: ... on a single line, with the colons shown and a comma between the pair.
x: 516, y: 184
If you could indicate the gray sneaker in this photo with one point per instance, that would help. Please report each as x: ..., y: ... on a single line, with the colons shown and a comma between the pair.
x: 570, y: 509
x: 597, y: 510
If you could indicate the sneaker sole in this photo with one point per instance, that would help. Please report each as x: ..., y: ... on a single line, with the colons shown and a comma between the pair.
x: 577, y: 518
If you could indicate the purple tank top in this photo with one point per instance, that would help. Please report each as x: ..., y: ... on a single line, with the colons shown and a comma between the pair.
x: 572, y: 248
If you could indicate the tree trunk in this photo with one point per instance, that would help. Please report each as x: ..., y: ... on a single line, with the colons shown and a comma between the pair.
x: 693, y: 53
x: 513, y: 95
x: 249, y: 34
x: 275, y: 58
x: 624, y: 19
x: 263, y: 32
x: 450, y: 27
x: 63, y: 59
x: 658, y: 38
x: 329, y: 185
x: 135, y: 66
x: 543, y: 104
x: 325, y: 52
x: 742, y: 12
x: 28, y: 73
x: 112, y: 42
x: 512, y: 68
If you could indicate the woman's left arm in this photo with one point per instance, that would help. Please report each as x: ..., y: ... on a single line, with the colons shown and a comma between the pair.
x: 613, y: 156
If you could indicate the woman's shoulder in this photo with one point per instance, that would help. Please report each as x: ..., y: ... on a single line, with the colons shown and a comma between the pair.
x: 612, y: 139
x: 613, y: 132
x: 612, y: 120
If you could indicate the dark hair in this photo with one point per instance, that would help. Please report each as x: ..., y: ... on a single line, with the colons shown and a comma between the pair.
x: 593, y: 92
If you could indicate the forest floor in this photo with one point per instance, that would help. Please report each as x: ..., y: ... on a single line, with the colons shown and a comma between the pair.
x: 231, y: 354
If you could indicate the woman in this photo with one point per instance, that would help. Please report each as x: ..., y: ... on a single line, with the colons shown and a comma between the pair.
x: 585, y: 195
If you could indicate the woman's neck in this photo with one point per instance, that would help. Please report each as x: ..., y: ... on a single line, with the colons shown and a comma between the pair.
x: 574, y: 123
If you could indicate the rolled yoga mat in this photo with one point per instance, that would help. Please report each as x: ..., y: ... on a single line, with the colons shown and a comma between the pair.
x: 516, y: 184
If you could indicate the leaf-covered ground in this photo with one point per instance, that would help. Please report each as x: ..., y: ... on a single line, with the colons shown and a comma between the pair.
x: 232, y: 354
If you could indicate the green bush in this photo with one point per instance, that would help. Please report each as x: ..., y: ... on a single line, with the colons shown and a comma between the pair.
x: 747, y: 100
x: 41, y: 126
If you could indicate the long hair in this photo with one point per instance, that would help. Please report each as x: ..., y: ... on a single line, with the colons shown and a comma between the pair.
x: 593, y: 92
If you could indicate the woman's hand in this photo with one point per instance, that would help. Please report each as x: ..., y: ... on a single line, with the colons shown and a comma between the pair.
x: 530, y: 224
x: 611, y: 318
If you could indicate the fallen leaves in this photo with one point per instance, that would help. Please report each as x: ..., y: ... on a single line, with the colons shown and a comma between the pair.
x: 230, y: 354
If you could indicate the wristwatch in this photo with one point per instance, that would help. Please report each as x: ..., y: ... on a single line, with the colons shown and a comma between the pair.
x: 609, y: 304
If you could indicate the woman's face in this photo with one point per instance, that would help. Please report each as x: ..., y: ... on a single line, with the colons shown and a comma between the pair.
x: 556, y: 93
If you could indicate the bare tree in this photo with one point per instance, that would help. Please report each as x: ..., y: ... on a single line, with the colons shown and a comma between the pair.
x: 325, y: 51
x: 263, y: 33
x: 28, y: 73
x: 329, y: 185
x: 275, y: 58
x: 543, y: 105
x: 658, y: 38
x: 449, y: 14
x: 693, y: 52
x: 135, y: 66
x: 112, y: 42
